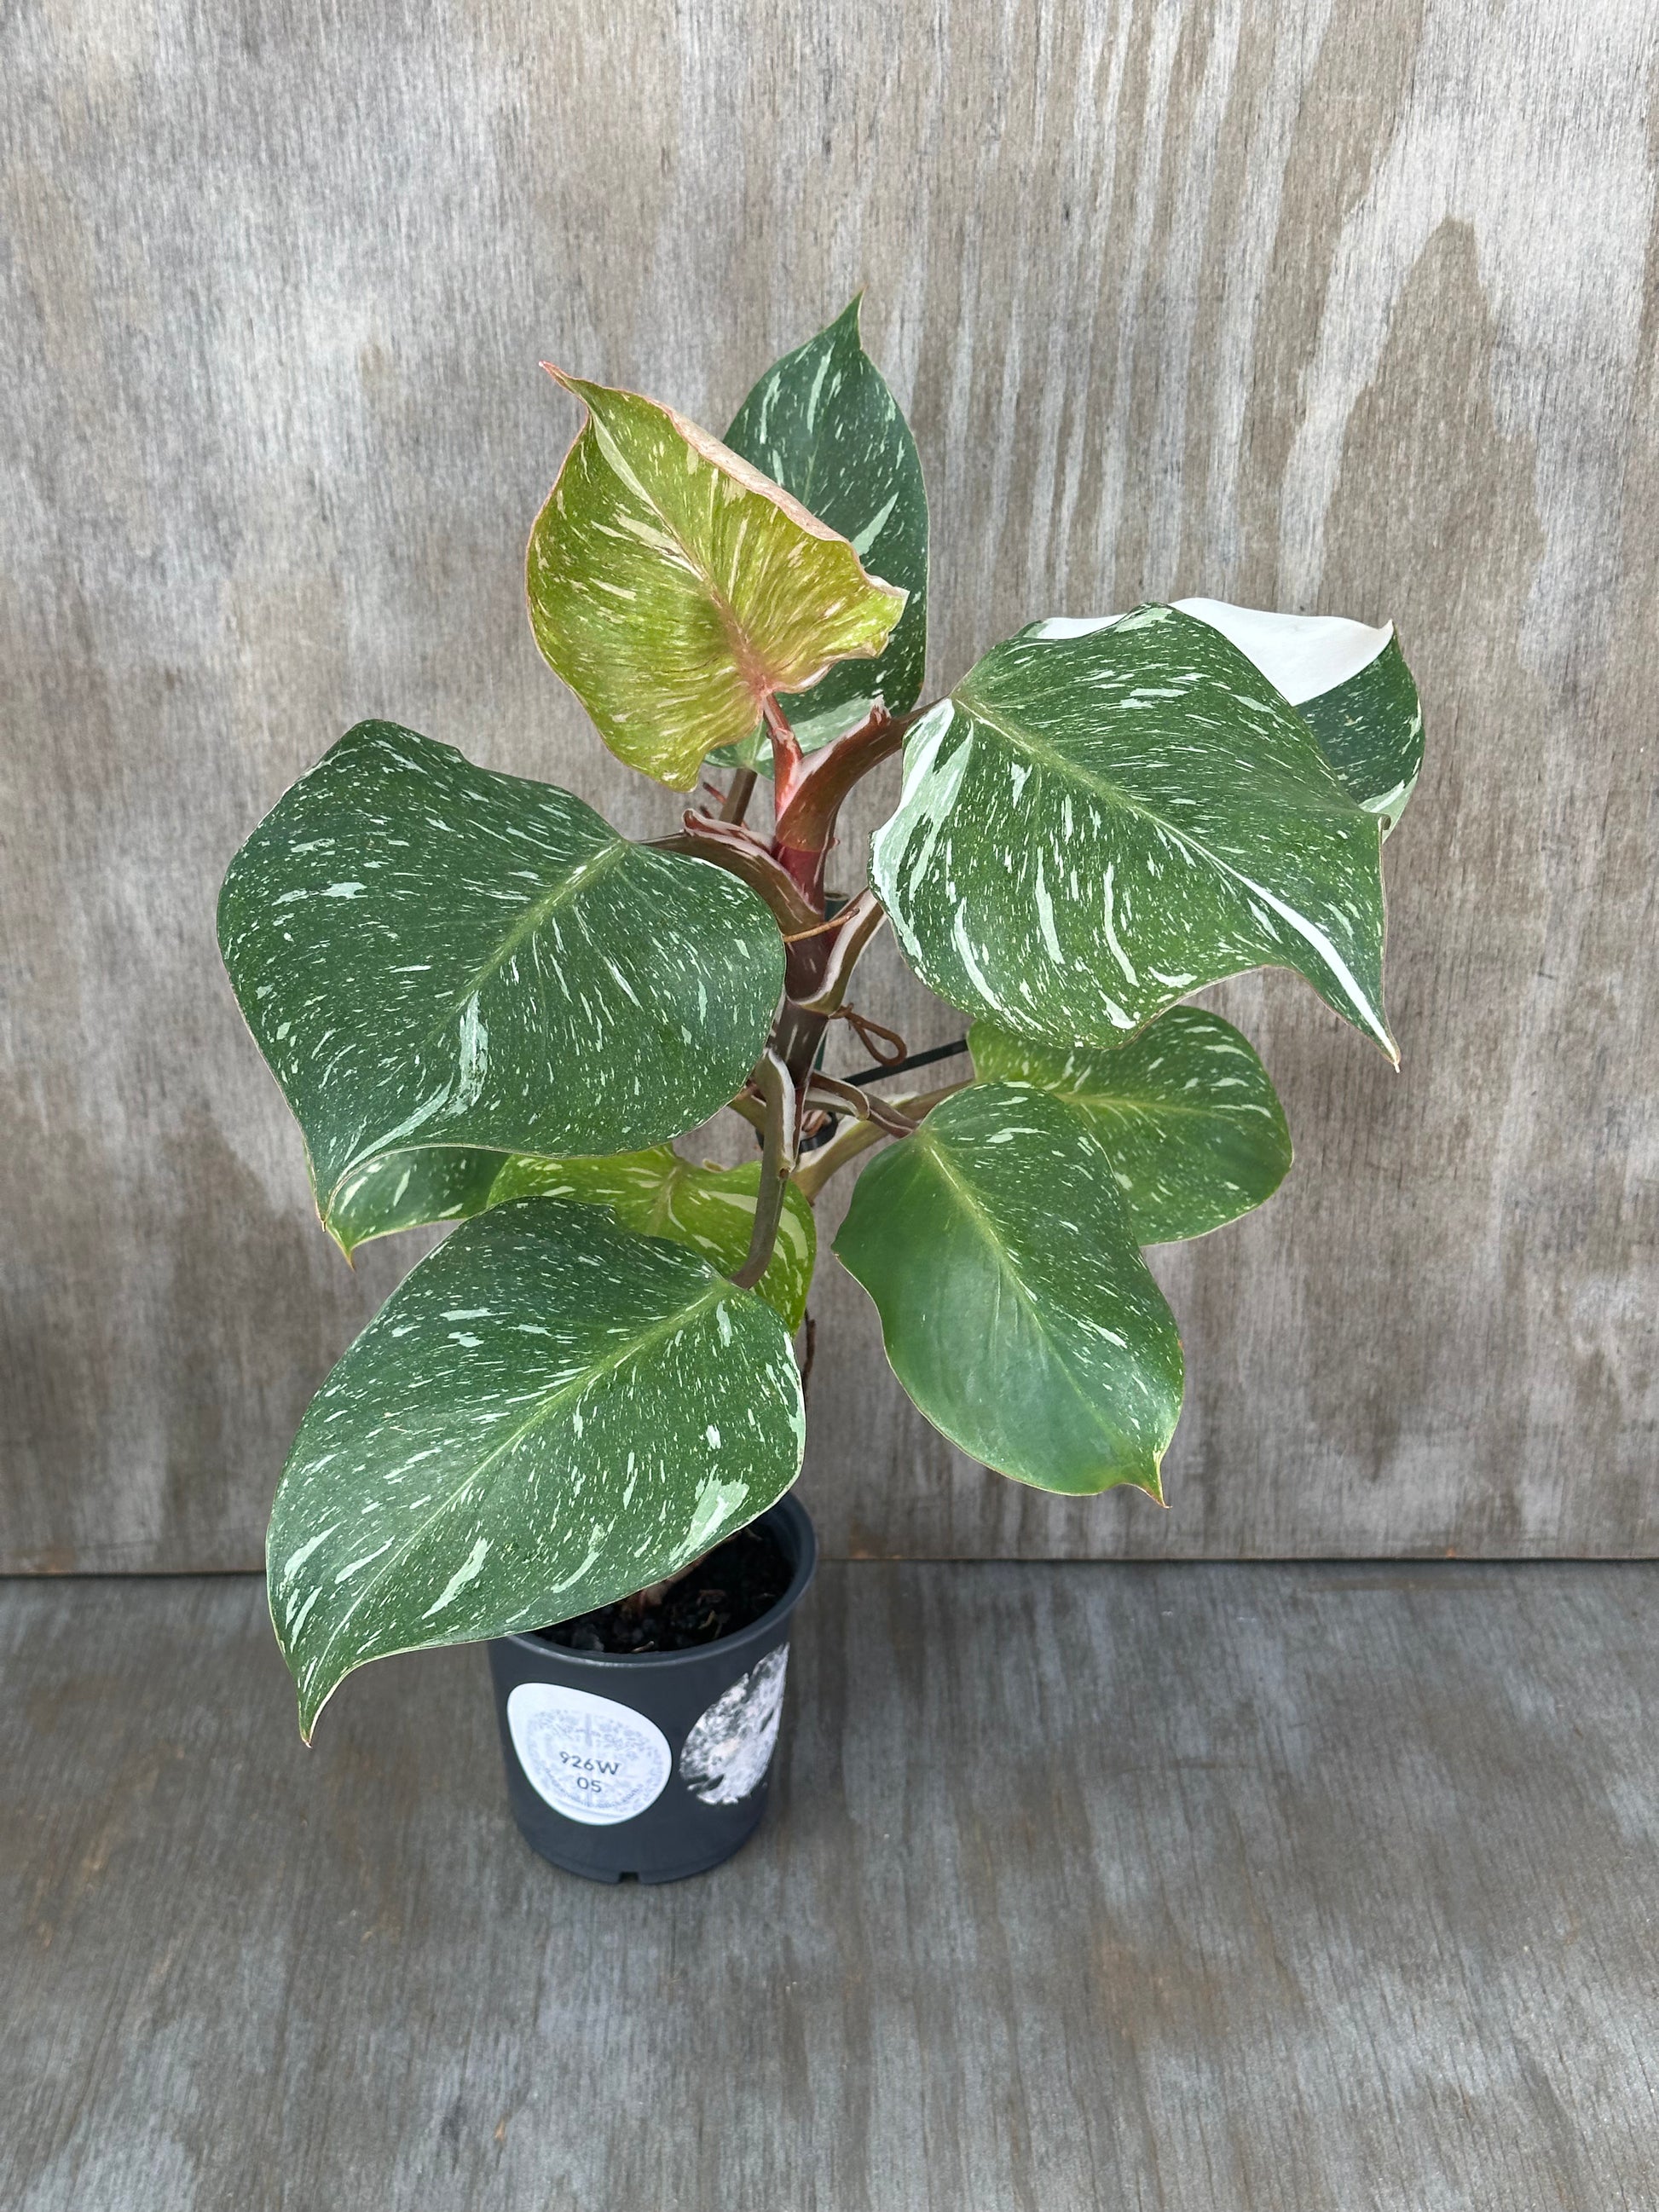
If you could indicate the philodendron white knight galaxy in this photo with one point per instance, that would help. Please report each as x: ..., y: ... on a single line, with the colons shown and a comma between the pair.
x: 485, y: 1006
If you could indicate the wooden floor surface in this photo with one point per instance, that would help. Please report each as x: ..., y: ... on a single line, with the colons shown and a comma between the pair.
x: 1310, y: 1889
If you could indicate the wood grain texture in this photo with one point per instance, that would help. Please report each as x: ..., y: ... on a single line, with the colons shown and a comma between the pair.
x: 1081, y: 1887
x: 1336, y: 305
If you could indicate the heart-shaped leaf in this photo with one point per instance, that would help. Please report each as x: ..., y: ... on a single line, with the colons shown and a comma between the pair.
x: 1098, y: 819
x: 1184, y: 1111
x: 823, y: 423
x: 712, y: 1210
x: 549, y: 1413
x: 676, y: 589
x: 432, y: 955
x: 1349, y: 684
x: 1015, y: 1307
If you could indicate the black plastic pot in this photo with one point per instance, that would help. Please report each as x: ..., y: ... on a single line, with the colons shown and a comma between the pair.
x: 653, y: 1765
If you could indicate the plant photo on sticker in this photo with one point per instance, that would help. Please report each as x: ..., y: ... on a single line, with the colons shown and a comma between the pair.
x: 571, y: 1431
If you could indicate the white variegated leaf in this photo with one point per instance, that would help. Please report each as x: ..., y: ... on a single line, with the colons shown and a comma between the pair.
x: 433, y: 956
x: 549, y: 1413
x: 1349, y: 683
x: 823, y: 423
x: 1102, y: 817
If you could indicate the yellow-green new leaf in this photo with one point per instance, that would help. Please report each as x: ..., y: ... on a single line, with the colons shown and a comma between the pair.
x: 676, y: 589
x: 712, y: 1210
x: 654, y: 1193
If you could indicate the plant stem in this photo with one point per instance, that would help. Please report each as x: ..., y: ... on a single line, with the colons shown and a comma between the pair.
x: 654, y: 1593
x: 788, y: 760
x: 848, y: 1141
x: 859, y: 919
x: 728, y: 845
x: 751, y: 1111
x: 777, y: 1087
x: 855, y: 1137
x: 807, y: 811
x: 735, y: 805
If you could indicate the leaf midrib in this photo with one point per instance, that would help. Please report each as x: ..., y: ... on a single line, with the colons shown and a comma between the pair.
x: 745, y: 658
x: 530, y: 918
x: 989, y: 1231
x: 1042, y: 754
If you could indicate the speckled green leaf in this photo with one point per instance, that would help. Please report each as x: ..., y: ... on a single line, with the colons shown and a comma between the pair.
x: 1015, y: 1307
x: 657, y: 1193
x: 823, y: 423
x: 675, y: 588
x: 432, y: 955
x: 550, y: 1412
x: 1349, y: 684
x: 1104, y: 815
x: 1185, y: 1112
x: 410, y: 1188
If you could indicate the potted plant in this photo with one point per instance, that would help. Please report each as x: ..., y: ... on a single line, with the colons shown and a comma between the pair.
x: 484, y: 1007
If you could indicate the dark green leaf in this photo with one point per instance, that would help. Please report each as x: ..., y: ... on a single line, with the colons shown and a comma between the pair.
x: 409, y: 1188
x: 549, y: 1413
x: 1102, y: 817
x: 432, y: 955
x: 1015, y: 1307
x: 823, y: 423
x: 1185, y: 1112
x: 1349, y: 683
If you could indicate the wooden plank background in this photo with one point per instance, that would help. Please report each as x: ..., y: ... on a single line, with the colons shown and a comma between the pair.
x: 1242, y: 1888
x: 1339, y: 305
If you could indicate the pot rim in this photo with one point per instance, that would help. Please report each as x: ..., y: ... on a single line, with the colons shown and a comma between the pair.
x: 790, y: 1508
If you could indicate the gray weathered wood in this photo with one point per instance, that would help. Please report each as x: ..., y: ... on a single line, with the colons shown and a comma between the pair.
x: 1330, y: 304
x: 1241, y: 1887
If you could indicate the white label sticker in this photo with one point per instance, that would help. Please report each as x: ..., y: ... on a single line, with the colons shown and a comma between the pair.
x: 590, y: 1759
x: 731, y: 1748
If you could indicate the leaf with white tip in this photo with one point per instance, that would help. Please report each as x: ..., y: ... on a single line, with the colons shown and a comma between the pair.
x: 549, y: 1413
x: 1185, y: 1111
x: 431, y: 955
x: 1101, y: 818
x: 676, y: 589
x: 1349, y: 683
x: 1015, y: 1306
x: 823, y: 423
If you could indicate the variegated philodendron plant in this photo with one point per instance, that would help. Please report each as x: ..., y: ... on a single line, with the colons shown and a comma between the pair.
x: 485, y: 1006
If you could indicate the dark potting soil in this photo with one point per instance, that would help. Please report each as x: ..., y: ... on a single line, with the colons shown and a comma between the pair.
x: 740, y: 1579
